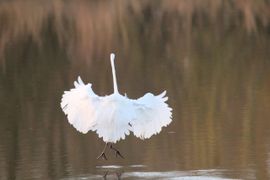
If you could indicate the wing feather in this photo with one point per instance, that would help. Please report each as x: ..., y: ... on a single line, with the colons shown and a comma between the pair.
x: 152, y: 113
x: 113, y: 116
x: 79, y: 104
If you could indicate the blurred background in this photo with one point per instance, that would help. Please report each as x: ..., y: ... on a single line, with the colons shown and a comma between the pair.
x: 212, y: 57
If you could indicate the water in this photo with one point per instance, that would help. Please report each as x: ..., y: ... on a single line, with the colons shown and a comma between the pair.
x: 216, y: 76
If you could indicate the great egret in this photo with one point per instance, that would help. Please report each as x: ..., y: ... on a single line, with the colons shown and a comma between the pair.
x: 115, y: 115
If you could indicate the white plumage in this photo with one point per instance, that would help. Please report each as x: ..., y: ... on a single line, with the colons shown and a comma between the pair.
x: 114, y: 116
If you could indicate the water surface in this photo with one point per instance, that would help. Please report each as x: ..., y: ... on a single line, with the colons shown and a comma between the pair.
x: 216, y: 77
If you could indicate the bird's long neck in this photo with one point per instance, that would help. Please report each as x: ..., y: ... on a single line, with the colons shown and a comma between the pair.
x: 114, y: 75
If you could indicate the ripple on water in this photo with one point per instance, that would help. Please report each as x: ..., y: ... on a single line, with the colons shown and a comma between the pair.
x: 115, y: 171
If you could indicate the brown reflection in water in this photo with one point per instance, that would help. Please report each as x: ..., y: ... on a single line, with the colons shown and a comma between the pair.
x: 217, y: 79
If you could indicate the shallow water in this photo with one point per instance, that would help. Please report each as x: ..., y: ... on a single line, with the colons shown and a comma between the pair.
x: 217, y: 80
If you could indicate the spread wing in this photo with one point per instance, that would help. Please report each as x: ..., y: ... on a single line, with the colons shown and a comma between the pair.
x: 152, y: 113
x: 80, y: 104
x: 112, y: 117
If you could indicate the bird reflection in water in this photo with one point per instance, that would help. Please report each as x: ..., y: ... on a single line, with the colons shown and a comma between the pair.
x: 116, y: 174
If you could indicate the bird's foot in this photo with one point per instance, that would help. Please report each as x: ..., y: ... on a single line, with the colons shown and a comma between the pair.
x: 117, y: 153
x: 103, y: 156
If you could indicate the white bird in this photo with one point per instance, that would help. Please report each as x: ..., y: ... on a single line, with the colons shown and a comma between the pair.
x: 115, y: 115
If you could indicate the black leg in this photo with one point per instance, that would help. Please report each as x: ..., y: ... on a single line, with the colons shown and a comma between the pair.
x: 117, y: 153
x: 103, y: 155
